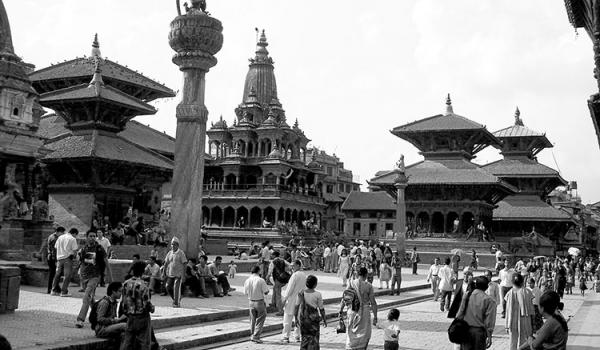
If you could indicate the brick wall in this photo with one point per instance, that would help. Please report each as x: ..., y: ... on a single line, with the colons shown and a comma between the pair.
x: 72, y: 210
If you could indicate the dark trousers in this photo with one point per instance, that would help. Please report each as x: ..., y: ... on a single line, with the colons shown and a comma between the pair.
x: 208, y: 281
x: 223, y: 282
x: 446, y: 296
x: 504, y: 290
x: 477, y: 338
x: 390, y: 345
x: 139, y: 334
x: 194, y: 284
x: 51, y: 273
x: 414, y: 266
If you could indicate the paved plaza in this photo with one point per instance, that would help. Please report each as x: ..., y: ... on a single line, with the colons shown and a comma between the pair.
x: 424, y: 327
x: 43, y: 319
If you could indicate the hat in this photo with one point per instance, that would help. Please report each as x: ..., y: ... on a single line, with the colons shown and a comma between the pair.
x: 175, y: 240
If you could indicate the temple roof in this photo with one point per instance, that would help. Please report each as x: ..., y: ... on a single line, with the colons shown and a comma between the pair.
x: 80, y: 71
x: 442, y: 172
x: 519, y: 140
x: 527, y: 208
x: 260, y: 76
x: 521, y: 167
x: 107, y: 146
x: 95, y: 92
x: 369, y: 201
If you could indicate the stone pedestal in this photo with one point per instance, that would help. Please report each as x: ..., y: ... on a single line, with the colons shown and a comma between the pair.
x: 10, y: 283
x: 19, y: 238
x: 196, y: 38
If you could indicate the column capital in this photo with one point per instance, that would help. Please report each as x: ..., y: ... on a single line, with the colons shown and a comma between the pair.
x: 191, y: 113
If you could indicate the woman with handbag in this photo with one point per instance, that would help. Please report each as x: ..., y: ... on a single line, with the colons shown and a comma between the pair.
x: 309, y: 312
x: 357, y: 297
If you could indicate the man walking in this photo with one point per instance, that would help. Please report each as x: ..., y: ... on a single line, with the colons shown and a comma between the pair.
x: 108, y: 325
x: 52, y: 255
x: 433, y: 276
x: 414, y: 259
x: 104, y: 243
x: 256, y: 289
x: 397, y: 263
x: 480, y: 315
x: 66, y: 250
x: 174, y: 269
x: 505, y: 285
x: 288, y: 299
x: 446, y: 287
x: 93, y: 258
x: 327, y: 259
x: 280, y: 278
x: 265, y: 259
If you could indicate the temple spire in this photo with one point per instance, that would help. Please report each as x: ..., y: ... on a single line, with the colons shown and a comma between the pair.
x: 449, y: 109
x: 6, y: 45
x: 261, y: 47
x: 96, y: 47
x: 518, y: 120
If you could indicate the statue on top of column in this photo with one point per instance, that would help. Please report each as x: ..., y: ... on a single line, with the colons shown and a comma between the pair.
x: 400, y: 164
x: 198, y: 7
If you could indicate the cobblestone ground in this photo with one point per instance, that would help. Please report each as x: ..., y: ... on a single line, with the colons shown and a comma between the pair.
x: 423, y: 327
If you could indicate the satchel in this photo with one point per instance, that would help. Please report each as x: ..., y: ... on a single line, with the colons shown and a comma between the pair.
x: 458, y: 332
x: 341, y: 328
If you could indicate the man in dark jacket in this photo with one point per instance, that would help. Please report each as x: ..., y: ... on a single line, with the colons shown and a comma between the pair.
x: 108, y: 325
x: 460, y: 291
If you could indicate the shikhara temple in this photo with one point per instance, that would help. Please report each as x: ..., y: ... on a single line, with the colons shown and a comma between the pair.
x: 262, y: 172
x: 508, y: 196
x: 93, y: 171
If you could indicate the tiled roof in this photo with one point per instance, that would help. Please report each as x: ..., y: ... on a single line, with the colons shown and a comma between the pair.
x: 521, y: 167
x: 517, y: 131
x: 148, y: 137
x: 105, y: 146
x: 369, y: 201
x: 52, y: 126
x: 82, y: 69
x: 450, y: 171
x: 527, y: 208
x: 86, y: 92
x: 440, y: 122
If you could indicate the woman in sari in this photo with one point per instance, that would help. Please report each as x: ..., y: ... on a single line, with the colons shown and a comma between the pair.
x: 520, y: 313
x: 309, y: 312
x: 359, y: 318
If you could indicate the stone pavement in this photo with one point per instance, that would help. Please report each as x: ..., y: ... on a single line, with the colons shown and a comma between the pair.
x: 43, y: 319
x: 425, y: 327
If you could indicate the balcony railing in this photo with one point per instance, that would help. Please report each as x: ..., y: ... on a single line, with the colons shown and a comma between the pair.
x: 279, y: 191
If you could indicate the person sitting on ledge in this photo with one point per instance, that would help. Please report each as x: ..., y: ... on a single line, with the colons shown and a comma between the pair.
x: 205, y: 277
x: 108, y: 325
x: 136, y: 257
x: 217, y: 272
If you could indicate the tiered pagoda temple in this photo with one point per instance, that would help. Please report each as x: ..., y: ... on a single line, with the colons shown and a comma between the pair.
x: 446, y: 185
x: 93, y: 171
x: 528, y: 209
x: 260, y: 172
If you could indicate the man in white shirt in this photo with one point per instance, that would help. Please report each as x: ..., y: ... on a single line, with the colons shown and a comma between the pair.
x: 493, y: 289
x: 66, y: 250
x: 288, y: 298
x: 256, y: 289
x: 505, y: 285
x: 433, y: 276
x: 327, y: 258
x: 446, y: 285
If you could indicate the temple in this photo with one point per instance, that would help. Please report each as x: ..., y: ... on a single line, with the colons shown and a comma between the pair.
x: 529, y: 209
x: 261, y: 173
x: 22, y: 212
x: 446, y: 185
x: 93, y: 171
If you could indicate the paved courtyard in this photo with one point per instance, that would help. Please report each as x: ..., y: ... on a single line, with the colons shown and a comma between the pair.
x: 425, y: 327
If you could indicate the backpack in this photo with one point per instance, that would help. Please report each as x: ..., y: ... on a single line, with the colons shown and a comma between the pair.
x: 350, y: 299
x: 93, y: 318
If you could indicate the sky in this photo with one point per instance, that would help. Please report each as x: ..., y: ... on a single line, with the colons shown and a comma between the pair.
x: 350, y: 70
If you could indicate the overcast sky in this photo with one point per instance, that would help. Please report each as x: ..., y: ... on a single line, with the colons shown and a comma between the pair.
x: 352, y: 70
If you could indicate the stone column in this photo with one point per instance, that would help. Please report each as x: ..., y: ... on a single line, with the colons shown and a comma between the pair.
x: 400, y: 183
x: 196, y: 38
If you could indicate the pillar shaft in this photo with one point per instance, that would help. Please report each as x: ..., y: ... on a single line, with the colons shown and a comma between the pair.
x: 400, y: 219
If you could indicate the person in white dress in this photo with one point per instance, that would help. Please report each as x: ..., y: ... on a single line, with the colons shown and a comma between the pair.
x: 296, y: 284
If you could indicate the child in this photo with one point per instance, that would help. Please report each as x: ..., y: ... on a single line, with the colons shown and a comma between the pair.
x: 582, y: 285
x: 391, y: 329
x: 537, y: 293
x: 232, y: 269
x: 570, y: 281
x: 385, y: 274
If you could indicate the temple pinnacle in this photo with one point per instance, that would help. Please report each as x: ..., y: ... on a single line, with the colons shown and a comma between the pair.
x: 97, y: 81
x: 96, y: 47
x: 518, y: 120
x: 449, y: 109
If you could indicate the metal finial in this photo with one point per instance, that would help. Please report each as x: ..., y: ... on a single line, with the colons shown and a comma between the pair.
x: 96, y: 47
x: 449, y: 109
x: 518, y: 120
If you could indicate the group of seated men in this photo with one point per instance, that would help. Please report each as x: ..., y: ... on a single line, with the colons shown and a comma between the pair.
x: 199, y: 275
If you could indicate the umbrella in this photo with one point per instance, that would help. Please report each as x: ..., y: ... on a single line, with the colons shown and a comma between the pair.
x: 539, y: 257
x: 457, y: 251
x: 574, y: 251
